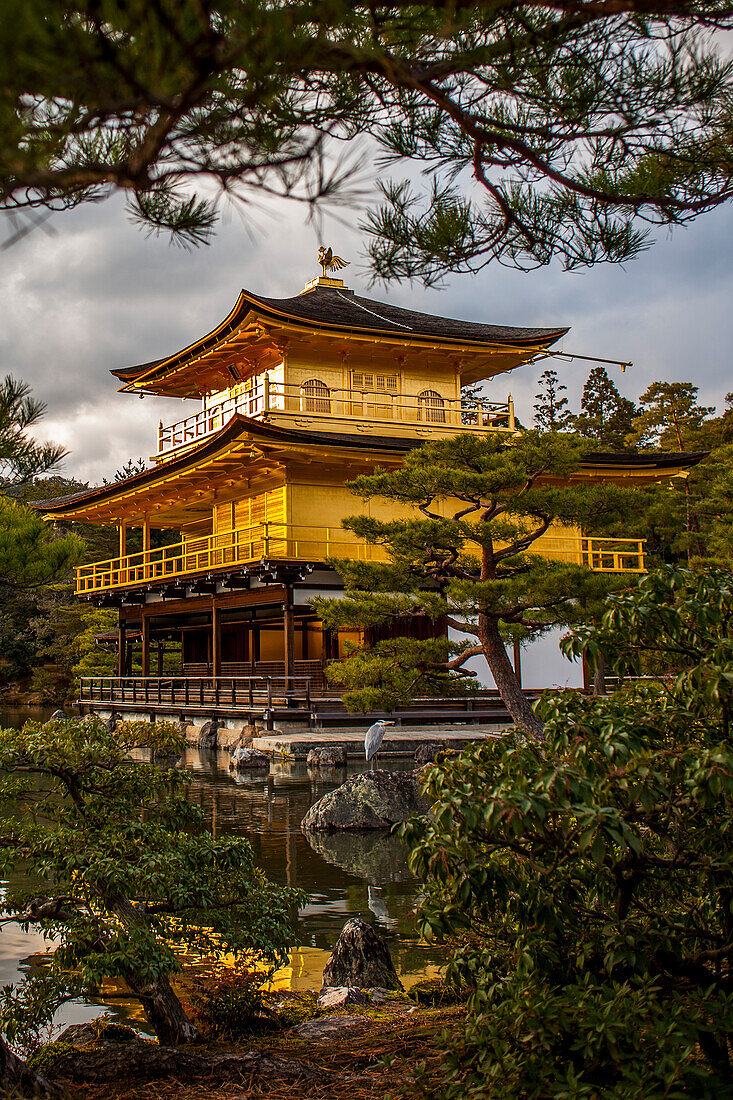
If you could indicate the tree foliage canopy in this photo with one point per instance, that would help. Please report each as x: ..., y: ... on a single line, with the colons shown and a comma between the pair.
x: 589, y: 881
x: 127, y: 875
x: 544, y: 128
x: 21, y: 458
x: 468, y: 555
x: 605, y: 416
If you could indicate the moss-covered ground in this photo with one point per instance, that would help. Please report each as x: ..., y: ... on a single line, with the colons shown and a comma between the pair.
x: 376, y: 1059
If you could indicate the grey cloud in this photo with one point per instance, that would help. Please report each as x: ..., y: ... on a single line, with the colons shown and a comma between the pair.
x: 99, y: 294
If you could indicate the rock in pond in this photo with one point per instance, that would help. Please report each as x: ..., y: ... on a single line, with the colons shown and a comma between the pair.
x: 429, y: 752
x: 57, y: 716
x: 360, y: 958
x: 246, y: 759
x: 373, y: 800
x: 208, y: 734
x: 327, y: 756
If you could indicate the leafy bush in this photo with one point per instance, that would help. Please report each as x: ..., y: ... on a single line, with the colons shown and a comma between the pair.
x: 126, y: 877
x: 588, y: 885
x: 232, y: 1004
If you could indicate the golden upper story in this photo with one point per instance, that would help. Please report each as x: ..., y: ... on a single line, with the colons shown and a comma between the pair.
x: 328, y: 360
x: 299, y: 396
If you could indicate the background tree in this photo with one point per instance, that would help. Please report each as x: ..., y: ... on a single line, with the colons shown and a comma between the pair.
x: 670, y: 417
x: 468, y: 556
x: 21, y: 458
x: 132, y: 879
x: 585, y: 888
x: 551, y: 411
x: 605, y: 416
x: 574, y: 127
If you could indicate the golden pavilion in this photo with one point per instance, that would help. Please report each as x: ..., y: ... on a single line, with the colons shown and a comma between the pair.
x: 298, y: 395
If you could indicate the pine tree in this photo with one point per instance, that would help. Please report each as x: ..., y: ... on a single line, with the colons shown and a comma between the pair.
x: 551, y: 411
x: 32, y: 554
x: 670, y: 417
x: 606, y: 416
x: 21, y: 458
x: 467, y: 555
x: 547, y: 105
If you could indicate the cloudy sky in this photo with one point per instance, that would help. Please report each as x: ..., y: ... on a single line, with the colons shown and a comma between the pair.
x: 97, y: 294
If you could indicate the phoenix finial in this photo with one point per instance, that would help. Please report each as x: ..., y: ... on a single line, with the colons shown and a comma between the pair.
x: 330, y: 262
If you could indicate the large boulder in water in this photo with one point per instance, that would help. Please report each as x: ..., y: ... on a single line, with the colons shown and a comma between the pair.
x: 374, y: 800
x: 360, y: 958
x: 246, y: 759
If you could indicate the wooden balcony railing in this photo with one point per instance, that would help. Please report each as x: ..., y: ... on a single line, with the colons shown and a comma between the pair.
x: 266, y: 396
x: 288, y: 542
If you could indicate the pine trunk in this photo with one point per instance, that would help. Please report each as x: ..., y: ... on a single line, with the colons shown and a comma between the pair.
x: 16, y: 1079
x: 162, y: 1008
x: 599, y: 677
x: 165, y: 1012
x: 506, y: 680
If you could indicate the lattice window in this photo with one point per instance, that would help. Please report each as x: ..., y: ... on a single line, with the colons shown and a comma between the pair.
x: 266, y: 508
x: 431, y: 407
x: 373, y: 383
x: 315, y: 396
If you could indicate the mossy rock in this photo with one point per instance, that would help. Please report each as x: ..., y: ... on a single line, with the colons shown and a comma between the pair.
x: 50, y: 1059
x: 295, y: 1010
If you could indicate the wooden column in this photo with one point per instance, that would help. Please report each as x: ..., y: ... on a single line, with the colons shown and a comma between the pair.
x: 161, y: 651
x: 121, y: 647
x: 122, y: 529
x: 289, y: 630
x: 146, y: 645
x: 215, y: 640
x: 146, y: 543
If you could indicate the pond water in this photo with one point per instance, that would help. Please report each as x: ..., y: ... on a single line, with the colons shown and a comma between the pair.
x: 345, y: 875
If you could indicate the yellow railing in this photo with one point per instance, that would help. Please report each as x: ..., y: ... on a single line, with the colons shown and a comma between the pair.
x: 428, y: 409
x: 288, y: 542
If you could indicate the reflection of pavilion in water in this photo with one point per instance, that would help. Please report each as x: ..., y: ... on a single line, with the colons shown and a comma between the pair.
x: 344, y: 875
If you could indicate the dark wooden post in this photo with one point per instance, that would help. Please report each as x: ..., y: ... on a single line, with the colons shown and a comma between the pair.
x: 215, y: 641
x: 518, y: 662
x: 121, y: 647
x: 146, y: 645
x: 289, y: 632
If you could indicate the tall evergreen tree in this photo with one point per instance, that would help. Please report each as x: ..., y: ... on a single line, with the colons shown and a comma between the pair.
x: 581, y: 124
x: 467, y: 554
x: 606, y: 416
x: 670, y: 417
x: 551, y: 411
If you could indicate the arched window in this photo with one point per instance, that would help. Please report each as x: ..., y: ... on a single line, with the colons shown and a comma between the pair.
x: 431, y: 407
x: 315, y: 396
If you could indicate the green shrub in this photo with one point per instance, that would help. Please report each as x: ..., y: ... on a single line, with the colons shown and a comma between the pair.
x: 231, y: 1005
x: 587, y: 884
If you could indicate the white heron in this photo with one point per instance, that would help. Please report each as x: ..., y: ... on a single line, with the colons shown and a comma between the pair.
x: 374, y: 738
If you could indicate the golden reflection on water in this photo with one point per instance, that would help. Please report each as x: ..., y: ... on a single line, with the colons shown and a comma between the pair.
x: 345, y: 875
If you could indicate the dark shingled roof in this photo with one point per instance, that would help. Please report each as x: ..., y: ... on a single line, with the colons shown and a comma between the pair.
x: 343, y: 311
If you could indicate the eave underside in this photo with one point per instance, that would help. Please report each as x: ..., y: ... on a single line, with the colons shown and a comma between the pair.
x: 248, y: 453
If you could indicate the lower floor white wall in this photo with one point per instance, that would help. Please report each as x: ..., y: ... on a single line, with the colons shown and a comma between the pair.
x: 543, y: 664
